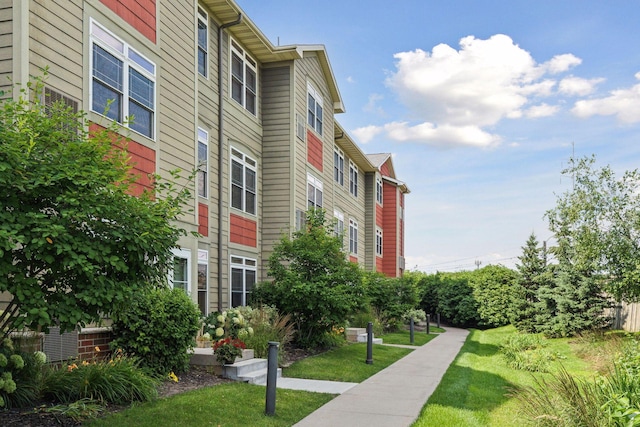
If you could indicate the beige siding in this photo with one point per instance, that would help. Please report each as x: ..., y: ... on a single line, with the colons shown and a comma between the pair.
x: 56, y: 42
x: 278, y: 134
x: 6, y: 43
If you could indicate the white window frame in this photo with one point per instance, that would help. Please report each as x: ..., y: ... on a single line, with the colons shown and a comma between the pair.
x: 315, y: 192
x: 379, y: 190
x: 338, y: 166
x: 203, y: 45
x: 248, y: 67
x: 353, y: 179
x: 244, y: 265
x: 133, y: 63
x: 315, y: 114
x: 353, y: 236
x: 184, y: 254
x: 203, y: 163
x: 338, y: 230
x: 203, y: 261
x: 379, y: 241
x: 249, y: 167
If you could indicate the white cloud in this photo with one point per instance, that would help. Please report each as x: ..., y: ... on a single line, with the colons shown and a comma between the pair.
x: 372, y: 106
x: 457, y: 93
x: 578, y: 86
x: 622, y: 103
x: 367, y: 133
x: 542, y: 110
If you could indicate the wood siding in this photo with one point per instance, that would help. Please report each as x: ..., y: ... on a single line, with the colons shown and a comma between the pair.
x: 140, y: 14
x: 203, y: 219
x: 6, y: 44
x: 315, y: 152
x: 390, y: 229
x: 243, y: 231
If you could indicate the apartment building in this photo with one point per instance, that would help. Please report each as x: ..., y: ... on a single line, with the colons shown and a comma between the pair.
x: 209, y: 91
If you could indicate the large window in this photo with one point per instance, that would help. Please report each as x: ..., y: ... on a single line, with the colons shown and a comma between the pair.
x: 353, y: 179
x: 353, y: 237
x: 179, y: 276
x: 243, y: 278
x: 339, y: 223
x: 314, y: 192
x: 378, y: 189
x: 203, y: 281
x: 338, y: 166
x: 378, y: 242
x: 244, y: 78
x: 203, y: 162
x: 122, y: 82
x: 203, y: 42
x: 314, y: 109
x: 243, y: 182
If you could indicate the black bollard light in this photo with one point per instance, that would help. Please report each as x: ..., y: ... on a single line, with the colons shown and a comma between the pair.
x: 428, y: 322
x: 411, y: 331
x: 438, y: 319
x: 370, y: 343
x: 272, y: 377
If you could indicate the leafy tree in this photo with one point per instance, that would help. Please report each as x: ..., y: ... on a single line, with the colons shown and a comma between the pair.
x: 597, y: 226
x: 73, y: 242
x: 428, y: 288
x: 312, y: 280
x: 494, y: 288
x: 390, y: 297
x: 456, y: 302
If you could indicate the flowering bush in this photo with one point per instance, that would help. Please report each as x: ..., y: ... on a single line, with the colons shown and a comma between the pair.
x: 416, y: 313
x: 227, y: 349
x: 229, y: 323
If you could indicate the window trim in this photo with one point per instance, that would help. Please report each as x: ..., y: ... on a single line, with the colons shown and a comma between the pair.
x: 203, y: 259
x: 338, y: 172
x: 131, y: 59
x: 353, y: 179
x: 318, y: 119
x: 379, y: 196
x: 244, y: 264
x: 202, y: 17
x: 247, y: 163
x: 353, y: 236
x: 318, y: 187
x: 248, y: 62
x: 379, y: 241
x: 203, y: 165
x: 183, y: 254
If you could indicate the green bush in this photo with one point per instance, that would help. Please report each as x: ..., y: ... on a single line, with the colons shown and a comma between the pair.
x: 267, y: 325
x: 391, y: 298
x: 456, y: 302
x: 119, y: 380
x: 20, y: 376
x: 159, y: 327
x: 527, y: 352
x: 362, y: 318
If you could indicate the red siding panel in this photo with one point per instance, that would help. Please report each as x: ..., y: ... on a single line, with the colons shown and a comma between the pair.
x: 243, y: 231
x: 140, y: 14
x: 203, y: 219
x: 353, y: 259
x: 390, y: 230
x: 314, y: 150
x: 384, y: 169
x: 379, y: 214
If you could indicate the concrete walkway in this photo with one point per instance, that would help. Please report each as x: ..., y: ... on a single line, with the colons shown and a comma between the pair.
x: 394, y: 396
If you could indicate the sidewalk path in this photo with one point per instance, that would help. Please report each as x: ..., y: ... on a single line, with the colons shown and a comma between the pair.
x: 394, y: 396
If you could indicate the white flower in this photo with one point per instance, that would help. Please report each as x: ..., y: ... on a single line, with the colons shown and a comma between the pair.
x: 219, y: 332
x: 221, y: 318
x: 206, y: 336
x: 236, y: 320
x: 40, y: 357
x: 250, y: 330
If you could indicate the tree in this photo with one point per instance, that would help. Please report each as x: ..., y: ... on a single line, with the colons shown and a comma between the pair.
x: 312, y: 280
x: 494, y: 287
x: 73, y: 242
x: 597, y: 226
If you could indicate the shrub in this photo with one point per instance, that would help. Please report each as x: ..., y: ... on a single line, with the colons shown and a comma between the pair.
x: 159, y: 327
x: 20, y: 375
x: 527, y: 352
x: 268, y: 325
x: 390, y: 298
x: 230, y: 323
x: 119, y: 380
x: 362, y: 318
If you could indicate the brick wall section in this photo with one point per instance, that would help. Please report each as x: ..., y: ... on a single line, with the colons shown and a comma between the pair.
x: 314, y: 150
x: 87, y: 343
x: 140, y: 14
x: 203, y: 219
x: 243, y: 231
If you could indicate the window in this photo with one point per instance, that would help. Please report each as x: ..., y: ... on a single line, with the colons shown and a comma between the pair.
x: 353, y: 179
x: 378, y: 189
x: 203, y: 162
x: 122, y: 82
x: 243, y: 78
x: 353, y: 237
x: 203, y: 281
x: 179, y: 276
x: 203, y: 42
x: 378, y: 242
x: 243, y: 278
x: 243, y: 182
x: 314, y: 108
x: 314, y: 192
x: 338, y: 166
x: 301, y: 219
x: 339, y: 225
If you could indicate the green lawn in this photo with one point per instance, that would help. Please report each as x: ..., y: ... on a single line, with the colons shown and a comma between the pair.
x: 346, y: 363
x: 475, y: 388
x: 404, y: 337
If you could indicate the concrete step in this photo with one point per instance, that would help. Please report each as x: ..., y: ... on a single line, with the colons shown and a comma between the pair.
x: 363, y: 338
x: 206, y: 356
x: 258, y: 377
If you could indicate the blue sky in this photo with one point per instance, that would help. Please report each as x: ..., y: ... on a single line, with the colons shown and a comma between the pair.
x: 482, y: 103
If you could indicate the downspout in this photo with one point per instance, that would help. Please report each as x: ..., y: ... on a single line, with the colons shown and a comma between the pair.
x: 221, y: 28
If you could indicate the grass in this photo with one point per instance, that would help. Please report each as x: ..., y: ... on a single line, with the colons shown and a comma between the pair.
x: 346, y: 363
x: 475, y: 389
x: 403, y: 337
x: 227, y: 405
